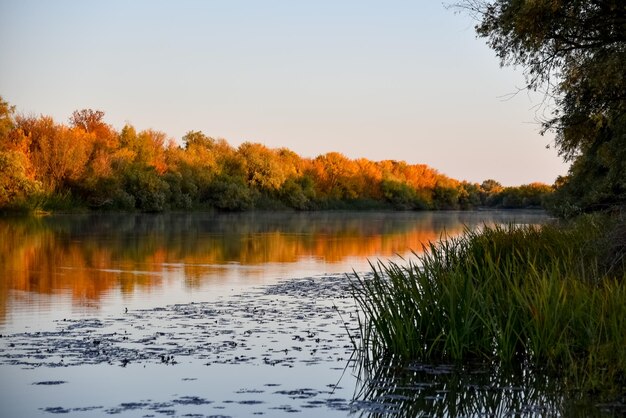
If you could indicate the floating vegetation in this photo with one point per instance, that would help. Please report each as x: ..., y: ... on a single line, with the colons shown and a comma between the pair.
x: 50, y: 382
x: 286, y: 330
x: 297, y: 321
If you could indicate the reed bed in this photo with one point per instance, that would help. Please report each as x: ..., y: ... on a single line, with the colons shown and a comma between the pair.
x: 549, y: 298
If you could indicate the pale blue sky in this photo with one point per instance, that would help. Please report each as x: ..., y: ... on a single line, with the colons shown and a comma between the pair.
x: 403, y: 80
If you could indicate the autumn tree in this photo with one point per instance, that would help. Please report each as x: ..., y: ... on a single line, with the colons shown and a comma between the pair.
x: 576, y: 52
x: 489, y: 189
x: 369, y: 179
x: 7, y: 123
x: 105, y: 141
x: 469, y: 195
x: 446, y: 194
x: 62, y: 158
x: 58, y: 153
x: 262, y: 166
x: 293, y: 166
x: 12, y: 138
x: 335, y: 175
x: 17, y: 183
x: 196, y: 162
x: 298, y: 189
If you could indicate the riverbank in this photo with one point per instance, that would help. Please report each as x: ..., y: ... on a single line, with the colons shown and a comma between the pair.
x: 546, y: 299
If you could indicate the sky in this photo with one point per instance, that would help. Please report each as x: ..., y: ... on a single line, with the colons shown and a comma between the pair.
x: 400, y: 80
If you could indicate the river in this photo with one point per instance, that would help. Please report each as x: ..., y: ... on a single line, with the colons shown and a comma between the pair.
x: 203, y: 314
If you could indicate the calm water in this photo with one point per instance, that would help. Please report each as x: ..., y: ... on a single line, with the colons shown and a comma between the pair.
x: 88, y: 265
x: 221, y: 315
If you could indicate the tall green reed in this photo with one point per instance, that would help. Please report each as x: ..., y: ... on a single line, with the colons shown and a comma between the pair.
x: 540, y: 297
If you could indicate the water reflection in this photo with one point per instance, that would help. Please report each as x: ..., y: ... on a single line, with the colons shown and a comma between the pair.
x: 418, y: 390
x: 90, y: 255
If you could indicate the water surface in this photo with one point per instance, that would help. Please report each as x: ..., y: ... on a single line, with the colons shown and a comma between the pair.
x: 55, y: 266
x: 202, y: 315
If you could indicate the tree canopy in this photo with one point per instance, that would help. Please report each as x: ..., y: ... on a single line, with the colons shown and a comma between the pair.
x: 89, y: 164
x: 575, y: 52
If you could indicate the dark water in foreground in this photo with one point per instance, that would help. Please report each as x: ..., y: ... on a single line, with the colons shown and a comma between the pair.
x: 224, y: 315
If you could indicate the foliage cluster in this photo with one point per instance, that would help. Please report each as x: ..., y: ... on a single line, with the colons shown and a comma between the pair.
x: 551, y: 298
x: 87, y: 163
x: 575, y: 51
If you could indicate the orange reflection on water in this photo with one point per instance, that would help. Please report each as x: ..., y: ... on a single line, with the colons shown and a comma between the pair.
x: 91, y: 255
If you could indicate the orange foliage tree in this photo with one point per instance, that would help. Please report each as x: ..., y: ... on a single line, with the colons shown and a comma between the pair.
x: 97, y: 166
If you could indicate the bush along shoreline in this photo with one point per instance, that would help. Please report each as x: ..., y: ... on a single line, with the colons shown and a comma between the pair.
x: 549, y: 299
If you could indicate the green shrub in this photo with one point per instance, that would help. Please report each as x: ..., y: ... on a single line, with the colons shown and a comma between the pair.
x: 148, y: 189
x: 401, y: 196
x: 230, y: 194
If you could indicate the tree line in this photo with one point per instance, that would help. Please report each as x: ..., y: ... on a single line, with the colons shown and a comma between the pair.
x: 86, y: 163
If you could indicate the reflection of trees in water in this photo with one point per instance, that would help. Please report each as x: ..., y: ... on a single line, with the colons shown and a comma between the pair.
x: 94, y: 253
x: 389, y: 389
